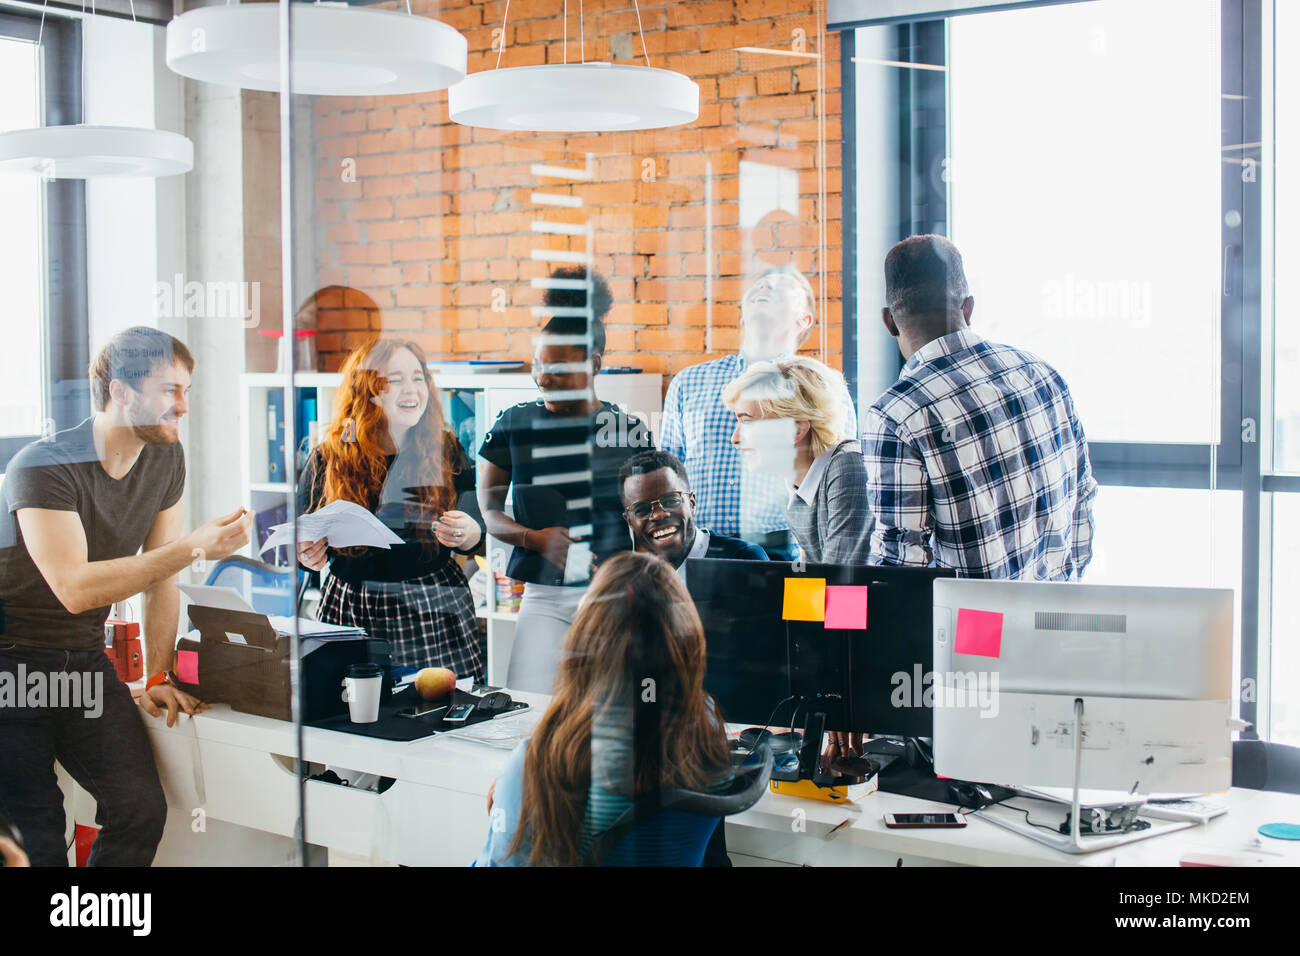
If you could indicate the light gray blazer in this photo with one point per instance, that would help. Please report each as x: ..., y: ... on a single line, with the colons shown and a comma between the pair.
x: 836, y: 527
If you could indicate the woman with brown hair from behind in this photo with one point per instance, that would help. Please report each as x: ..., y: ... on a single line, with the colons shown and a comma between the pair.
x: 387, y: 449
x: 629, y: 719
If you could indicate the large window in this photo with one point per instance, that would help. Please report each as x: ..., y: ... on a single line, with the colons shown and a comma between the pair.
x: 21, y: 400
x: 1286, y: 239
x: 1084, y: 184
x: 1117, y: 174
x: 43, y: 249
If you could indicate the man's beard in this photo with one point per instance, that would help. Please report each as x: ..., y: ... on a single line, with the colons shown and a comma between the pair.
x: 156, y: 434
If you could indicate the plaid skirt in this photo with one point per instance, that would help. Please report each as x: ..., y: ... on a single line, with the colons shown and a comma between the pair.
x: 428, y: 621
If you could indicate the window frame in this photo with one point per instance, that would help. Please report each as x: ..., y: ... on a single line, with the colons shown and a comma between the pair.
x: 65, y: 318
x: 1232, y: 463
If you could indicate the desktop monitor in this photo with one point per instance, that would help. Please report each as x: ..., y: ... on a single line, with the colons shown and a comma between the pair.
x: 861, y: 678
x: 1152, y: 667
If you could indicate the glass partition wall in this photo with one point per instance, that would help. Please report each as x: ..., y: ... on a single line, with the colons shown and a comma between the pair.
x: 433, y: 343
x: 475, y: 269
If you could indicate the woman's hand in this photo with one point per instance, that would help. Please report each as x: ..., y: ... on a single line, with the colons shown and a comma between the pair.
x: 311, y: 554
x: 455, y: 529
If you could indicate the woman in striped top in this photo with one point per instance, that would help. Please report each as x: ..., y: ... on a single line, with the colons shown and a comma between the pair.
x: 630, y: 717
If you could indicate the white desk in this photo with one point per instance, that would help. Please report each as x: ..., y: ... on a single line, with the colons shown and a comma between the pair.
x: 238, y: 771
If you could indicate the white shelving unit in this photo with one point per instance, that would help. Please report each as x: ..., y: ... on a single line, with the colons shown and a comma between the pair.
x: 641, y: 394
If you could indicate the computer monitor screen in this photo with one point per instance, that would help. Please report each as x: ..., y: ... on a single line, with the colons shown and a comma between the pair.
x: 867, y: 679
x: 1152, y: 666
x: 739, y: 603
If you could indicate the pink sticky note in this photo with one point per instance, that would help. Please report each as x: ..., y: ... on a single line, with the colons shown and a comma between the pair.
x: 846, y: 607
x: 978, y: 632
x: 187, y: 666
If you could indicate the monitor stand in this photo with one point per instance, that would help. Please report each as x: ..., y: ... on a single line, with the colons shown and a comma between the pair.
x: 810, y: 763
x: 1074, y: 844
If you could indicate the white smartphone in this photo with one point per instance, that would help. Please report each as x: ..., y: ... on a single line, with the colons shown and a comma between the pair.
x: 904, y: 820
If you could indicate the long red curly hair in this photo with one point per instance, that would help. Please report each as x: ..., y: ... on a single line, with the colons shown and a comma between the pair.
x: 355, y: 444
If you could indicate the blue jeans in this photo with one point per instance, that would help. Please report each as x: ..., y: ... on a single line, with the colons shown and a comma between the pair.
x: 108, y: 754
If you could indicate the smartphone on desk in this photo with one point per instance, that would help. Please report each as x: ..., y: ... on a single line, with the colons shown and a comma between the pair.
x: 458, y: 714
x: 423, y: 710
x: 898, y: 821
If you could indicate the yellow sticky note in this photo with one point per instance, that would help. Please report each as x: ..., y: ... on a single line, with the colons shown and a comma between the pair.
x: 805, y: 599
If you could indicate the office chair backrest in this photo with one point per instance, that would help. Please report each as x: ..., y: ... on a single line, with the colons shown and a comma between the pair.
x: 269, y: 589
x: 674, y: 828
x: 1264, y: 765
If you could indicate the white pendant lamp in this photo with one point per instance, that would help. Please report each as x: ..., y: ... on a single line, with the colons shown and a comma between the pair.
x: 335, y: 50
x: 574, y: 97
x: 84, y: 151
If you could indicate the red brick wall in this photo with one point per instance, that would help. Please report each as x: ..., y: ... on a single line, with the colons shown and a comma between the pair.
x: 436, y: 226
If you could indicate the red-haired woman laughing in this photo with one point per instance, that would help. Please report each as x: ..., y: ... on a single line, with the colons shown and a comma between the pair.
x: 387, y: 449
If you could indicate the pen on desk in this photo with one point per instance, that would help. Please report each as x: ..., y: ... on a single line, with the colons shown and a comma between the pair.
x: 837, y: 828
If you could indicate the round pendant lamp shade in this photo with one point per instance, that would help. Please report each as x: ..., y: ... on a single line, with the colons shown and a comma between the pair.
x: 84, y: 152
x: 336, y: 51
x: 574, y: 98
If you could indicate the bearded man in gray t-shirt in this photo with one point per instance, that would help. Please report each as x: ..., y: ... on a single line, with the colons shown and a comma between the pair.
x: 92, y: 516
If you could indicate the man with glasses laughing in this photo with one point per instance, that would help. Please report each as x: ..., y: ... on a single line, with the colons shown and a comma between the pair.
x: 659, y: 508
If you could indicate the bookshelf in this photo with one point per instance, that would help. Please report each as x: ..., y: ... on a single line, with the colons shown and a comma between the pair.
x: 471, y: 403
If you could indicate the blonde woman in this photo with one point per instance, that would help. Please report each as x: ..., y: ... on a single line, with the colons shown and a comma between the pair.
x: 788, y: 422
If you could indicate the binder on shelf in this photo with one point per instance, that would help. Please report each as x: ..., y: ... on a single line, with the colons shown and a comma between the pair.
x: 305, y: 411
x: 275, y: 435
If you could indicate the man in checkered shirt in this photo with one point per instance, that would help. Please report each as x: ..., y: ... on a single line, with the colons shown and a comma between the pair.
x: 776, y: 316
x: 975, y: 458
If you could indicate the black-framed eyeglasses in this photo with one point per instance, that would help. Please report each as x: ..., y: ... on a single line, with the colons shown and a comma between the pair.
x: 644, y: 509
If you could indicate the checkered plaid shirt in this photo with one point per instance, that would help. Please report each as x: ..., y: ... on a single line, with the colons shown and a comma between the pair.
x: 976, y: 461
x: 697, y: 429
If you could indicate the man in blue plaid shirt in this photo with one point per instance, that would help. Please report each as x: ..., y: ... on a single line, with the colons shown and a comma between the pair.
x: 776, y: 316
x: 975, y: 458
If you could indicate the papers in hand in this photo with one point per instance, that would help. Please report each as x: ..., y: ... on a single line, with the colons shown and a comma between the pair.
x: 342, y: 524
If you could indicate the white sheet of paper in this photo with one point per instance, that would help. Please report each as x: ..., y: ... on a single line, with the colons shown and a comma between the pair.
x: 224, y: 597
x: 309, y: 628
x: 342, y: 524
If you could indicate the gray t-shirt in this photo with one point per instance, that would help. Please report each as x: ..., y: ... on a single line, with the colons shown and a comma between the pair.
x: 63, y: 473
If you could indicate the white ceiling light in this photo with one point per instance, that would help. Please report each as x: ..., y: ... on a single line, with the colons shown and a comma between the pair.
x: 82, y: 152
x: 336, y: 50
x: 574, y: 97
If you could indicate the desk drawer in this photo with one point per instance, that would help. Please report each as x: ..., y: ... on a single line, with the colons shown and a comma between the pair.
x: 409, y: 823
x: 251, y: 788
x: 351, y: 819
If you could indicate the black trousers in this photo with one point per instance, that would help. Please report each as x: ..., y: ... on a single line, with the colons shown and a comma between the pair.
x: 101, y: 742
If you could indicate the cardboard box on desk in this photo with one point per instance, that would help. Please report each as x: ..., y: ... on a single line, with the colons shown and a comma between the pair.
x: 244, y: 662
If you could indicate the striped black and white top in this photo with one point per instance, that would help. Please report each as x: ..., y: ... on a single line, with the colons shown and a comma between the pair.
x: 564, y: 473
